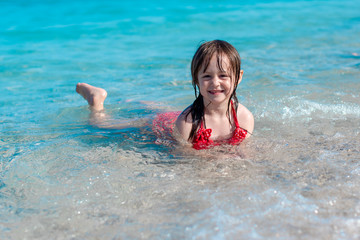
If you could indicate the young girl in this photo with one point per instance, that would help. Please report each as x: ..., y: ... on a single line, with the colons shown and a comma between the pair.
x: 215, y: 117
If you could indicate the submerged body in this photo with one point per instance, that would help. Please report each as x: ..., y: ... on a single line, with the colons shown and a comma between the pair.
x: 163, y: 127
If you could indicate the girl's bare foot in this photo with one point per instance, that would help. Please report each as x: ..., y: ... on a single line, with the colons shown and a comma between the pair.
x: 93, y: 95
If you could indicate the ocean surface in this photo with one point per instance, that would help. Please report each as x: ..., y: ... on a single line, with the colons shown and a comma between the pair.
x: 61, y: 177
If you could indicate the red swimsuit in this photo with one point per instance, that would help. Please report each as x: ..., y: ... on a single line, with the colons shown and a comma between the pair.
x: 163, y: 126
x: 202, y: 139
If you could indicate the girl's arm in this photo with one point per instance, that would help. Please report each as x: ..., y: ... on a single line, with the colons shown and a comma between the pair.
x: 245, y: 119
x: 183, y: 126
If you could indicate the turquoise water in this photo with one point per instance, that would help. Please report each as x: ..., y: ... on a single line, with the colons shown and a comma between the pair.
x: 62, y: 178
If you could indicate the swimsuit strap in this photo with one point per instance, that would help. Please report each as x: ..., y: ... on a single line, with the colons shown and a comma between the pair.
x: 239, y: 133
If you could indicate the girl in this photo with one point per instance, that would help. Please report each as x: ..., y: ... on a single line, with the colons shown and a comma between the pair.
x: 215, y: 117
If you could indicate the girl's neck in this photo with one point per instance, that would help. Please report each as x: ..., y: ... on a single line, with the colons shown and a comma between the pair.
x: 218, y: 109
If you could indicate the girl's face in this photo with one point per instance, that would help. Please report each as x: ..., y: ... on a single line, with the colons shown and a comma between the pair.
x: 216, y: 85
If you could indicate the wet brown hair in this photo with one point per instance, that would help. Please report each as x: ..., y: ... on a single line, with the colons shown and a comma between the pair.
x: 201, y: 59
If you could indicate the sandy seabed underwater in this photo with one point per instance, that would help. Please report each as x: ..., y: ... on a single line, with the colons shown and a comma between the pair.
x: 298, y: 177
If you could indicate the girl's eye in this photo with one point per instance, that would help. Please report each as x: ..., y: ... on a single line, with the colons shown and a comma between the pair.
x: 224, y: 76
x: 206, y: 76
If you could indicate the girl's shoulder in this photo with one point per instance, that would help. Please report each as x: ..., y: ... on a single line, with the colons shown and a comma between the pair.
x: 245, y: 118
x: 183, y: 123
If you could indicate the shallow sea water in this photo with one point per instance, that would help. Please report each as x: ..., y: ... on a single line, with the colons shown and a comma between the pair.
x: 298, y: 177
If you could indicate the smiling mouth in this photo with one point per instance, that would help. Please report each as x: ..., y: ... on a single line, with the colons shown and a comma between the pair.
x: 215, y: 91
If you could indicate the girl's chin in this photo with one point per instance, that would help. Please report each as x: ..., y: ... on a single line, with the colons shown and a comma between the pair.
x: 216, y: 100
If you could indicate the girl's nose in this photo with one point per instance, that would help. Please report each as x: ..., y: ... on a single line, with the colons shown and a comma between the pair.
x: 215, y: 81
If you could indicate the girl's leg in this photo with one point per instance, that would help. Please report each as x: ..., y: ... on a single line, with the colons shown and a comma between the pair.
x: 93, y: 95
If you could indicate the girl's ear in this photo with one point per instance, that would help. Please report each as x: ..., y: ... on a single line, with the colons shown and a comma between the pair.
x: 240, y: 77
